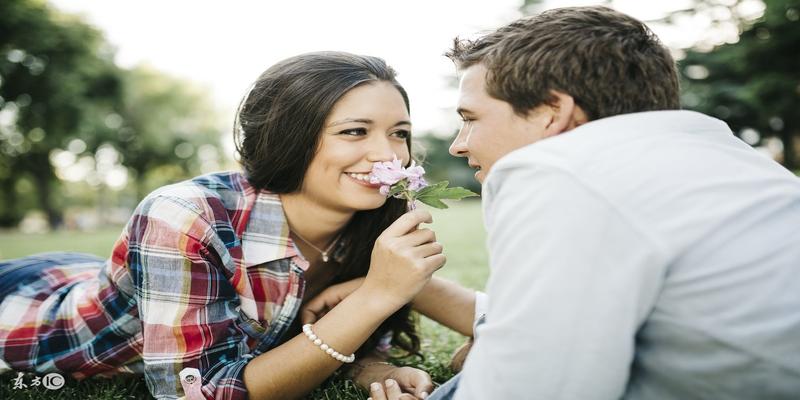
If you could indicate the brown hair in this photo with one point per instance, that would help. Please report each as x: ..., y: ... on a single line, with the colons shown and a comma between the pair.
x: 277, y: 132
x: 609, y: 62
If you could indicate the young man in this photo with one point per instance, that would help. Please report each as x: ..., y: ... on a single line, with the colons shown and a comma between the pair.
x: 637, y: 251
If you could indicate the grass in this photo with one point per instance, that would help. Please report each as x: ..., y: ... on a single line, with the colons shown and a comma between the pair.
x: 459, y: 229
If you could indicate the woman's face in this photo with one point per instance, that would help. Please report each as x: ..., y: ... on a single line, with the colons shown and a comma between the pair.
x: 368, y: 124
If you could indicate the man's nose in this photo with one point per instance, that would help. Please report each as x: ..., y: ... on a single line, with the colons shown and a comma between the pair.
x: 459, y: 146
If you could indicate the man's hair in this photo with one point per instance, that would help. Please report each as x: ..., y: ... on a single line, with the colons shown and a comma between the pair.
x: 609, y: 62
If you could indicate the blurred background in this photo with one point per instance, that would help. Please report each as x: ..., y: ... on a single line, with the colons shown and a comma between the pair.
x: 101, y: 102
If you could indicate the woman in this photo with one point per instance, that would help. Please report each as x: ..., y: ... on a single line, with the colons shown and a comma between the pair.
x: 203, y: 287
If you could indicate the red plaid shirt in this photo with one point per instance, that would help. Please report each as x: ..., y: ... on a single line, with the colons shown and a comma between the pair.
x: 204, y: 276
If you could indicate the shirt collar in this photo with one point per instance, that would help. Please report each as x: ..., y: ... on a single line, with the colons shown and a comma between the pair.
x: 265, y: 237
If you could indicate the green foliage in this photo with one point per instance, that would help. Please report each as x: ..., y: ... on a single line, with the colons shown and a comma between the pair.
x: 755, y: 82
x: 434, y: 194
x: 165, y: 124
x: 60, y: 89
x: 56, y: 75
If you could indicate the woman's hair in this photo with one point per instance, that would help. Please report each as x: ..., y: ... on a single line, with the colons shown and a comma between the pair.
x: 277, y: 132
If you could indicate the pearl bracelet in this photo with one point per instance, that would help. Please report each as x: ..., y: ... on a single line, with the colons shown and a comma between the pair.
x: 324, y: 347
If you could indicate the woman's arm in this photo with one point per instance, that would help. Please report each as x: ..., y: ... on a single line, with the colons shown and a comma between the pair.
x: 402, y: 262
x: 447, y: 303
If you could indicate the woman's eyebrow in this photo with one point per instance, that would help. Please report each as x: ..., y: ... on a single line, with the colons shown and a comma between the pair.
x: 348, y: 120
x: 364, y: 121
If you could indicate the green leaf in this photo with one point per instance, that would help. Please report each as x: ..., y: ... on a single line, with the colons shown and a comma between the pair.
x: 455, y: 193
x: 429, y: 188
x: 433, y: 202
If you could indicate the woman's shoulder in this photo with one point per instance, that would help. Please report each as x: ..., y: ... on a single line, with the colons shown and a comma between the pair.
x: 205, y: 194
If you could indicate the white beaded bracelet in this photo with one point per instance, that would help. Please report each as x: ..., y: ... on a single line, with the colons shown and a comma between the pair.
x: 324, y: 347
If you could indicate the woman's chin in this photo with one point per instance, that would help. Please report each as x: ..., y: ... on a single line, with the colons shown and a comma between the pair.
x: 365, y: 203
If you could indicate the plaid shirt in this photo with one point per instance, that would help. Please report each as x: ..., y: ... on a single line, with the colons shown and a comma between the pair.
x: 203, y: 278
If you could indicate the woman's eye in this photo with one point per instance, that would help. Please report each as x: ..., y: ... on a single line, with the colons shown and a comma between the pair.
x: 403, y: 134
x: 354, y: 132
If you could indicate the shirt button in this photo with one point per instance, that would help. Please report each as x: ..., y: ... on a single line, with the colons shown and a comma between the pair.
x: 190, y: 375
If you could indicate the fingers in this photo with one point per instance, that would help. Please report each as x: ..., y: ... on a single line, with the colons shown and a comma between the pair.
x: 419, y: 237
x: 314, y: 310
x: 389, y: 390
x: 435, y: 262
x: 392, y: 389
x: 407, y: 222
x: 376, y: 391
x: 309, y: 316
x: 423, y: 385
x: 428, y: 249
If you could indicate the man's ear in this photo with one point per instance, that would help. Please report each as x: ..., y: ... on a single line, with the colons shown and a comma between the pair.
x: 565, y: 114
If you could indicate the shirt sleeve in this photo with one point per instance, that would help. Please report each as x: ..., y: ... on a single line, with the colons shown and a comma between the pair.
x: 186, y: 304
x: 572, y: 278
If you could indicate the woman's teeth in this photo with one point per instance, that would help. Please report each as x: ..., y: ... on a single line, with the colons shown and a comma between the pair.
x: 361, y: 177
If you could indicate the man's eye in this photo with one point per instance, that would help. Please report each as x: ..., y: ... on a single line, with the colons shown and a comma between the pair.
x: 402, y: 134
x: 354, y: 132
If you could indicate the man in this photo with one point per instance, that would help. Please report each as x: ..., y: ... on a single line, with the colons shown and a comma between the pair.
x: 637, y: 251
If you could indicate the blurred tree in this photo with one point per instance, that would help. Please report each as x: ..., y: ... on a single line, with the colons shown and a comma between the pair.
x: 64, y: 104
x: 56, y: 76
x: 753, y: 84
x: 166, y: 122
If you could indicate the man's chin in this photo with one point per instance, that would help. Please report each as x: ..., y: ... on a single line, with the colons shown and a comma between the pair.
x: 480, y: 176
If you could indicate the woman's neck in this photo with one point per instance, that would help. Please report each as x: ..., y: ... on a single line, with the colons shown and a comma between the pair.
x: 312, y: 221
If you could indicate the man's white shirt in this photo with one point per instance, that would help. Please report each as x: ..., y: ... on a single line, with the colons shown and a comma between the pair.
x: 643, y: 256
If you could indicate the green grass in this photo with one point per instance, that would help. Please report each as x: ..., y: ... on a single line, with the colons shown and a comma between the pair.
x: 459, y: 229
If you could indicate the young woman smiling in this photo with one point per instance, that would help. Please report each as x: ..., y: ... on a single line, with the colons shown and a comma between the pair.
x: 203, y: 288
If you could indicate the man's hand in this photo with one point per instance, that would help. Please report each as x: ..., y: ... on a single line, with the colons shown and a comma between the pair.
x: 317, y: 307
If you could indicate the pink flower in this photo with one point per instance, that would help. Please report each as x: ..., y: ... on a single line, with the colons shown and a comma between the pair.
x: 390, y: 173
x: 387, y: 172
x: 414, y: 174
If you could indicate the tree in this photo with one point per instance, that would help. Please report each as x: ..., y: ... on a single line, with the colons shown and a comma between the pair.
x: 753, y: 84
x: 56, y: 76
x: 166, y: 125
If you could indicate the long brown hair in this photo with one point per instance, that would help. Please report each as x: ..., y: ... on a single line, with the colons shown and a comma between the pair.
x: 277, y: 132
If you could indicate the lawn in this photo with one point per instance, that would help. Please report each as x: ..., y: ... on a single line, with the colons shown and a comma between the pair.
x: 459, y: 228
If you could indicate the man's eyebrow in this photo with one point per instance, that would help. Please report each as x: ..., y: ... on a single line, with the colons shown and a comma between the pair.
x: 364, y: 121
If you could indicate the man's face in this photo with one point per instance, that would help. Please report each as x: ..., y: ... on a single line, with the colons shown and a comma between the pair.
x: 491, y: 129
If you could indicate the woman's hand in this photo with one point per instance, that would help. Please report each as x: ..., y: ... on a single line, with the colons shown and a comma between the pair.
x: 317, y: 307
x: 403, y: 260
x: 401, y: 383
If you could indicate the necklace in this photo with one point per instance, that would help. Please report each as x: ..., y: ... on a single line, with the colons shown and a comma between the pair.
x: 323, y: 253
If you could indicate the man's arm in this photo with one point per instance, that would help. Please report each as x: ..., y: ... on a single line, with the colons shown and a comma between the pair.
x: 572, y: 279
x: 447, y: 303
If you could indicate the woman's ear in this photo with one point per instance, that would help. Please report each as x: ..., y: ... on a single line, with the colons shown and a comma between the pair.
x: 565, y: 114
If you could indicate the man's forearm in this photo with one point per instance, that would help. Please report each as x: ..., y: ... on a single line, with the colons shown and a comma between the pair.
x: 447, y: 303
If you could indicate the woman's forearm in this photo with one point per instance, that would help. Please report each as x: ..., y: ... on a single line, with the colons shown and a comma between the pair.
x: 296, y: 367
x: 447, y: 303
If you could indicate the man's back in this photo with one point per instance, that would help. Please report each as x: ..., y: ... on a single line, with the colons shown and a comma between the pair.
x: 704, y: 301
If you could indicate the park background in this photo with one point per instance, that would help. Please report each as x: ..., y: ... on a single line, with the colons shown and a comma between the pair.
x: 103, y: 101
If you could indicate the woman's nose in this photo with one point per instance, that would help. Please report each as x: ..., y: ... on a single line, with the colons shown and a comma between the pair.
x: 381, y: 149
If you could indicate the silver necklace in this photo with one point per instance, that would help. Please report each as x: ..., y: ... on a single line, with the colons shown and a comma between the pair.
x: 323, y: 253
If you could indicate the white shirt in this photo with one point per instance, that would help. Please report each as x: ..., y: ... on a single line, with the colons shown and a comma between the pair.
x: 643, y: 256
